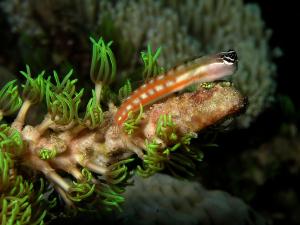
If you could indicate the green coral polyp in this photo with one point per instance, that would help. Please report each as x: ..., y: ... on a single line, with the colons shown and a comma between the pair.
x: 153, y: 161
x: 10, y: 140
x: 62, y: 99
x: 10, y: 101
x: 165, y: 128
x: 5, y: 164
x: 131, y: 124
x: 151, y: 67
x: 33, y: 89
x: 177, y: 159
x: 110, y: 196
x: 17, y: 196
x: 46, y: 154
x: 83, y: 189
x: 119, y: 172
x: 63, y: 107
x: 103, y: 66
x: 125, y: 91
x: 66, y: 85
x: 94, y: 115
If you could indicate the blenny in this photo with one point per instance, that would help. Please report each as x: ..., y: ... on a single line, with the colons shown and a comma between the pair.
x: 203, y: 69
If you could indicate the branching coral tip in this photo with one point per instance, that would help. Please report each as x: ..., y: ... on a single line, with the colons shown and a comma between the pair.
x: 203, y: 69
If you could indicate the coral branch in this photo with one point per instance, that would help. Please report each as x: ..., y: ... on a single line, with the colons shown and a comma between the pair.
x: 20, y: 119
x: 191, y: 112
x: 98, y: 90
x: 58, y: 180
x: 95, y: 168
x: 44, y: 125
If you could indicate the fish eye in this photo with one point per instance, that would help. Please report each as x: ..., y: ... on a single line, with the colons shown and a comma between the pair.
x: 230, y: 57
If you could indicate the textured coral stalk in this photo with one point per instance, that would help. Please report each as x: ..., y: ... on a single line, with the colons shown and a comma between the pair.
x: 190, y: 112
x: 97, y: 149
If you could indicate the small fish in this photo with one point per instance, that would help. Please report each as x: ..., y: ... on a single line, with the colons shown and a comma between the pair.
x: 203, y: 69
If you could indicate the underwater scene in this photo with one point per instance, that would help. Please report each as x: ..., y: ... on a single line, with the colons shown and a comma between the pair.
x: 151, y: 112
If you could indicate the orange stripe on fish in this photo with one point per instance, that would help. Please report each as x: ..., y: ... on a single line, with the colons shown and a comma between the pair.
x: 203, y: 69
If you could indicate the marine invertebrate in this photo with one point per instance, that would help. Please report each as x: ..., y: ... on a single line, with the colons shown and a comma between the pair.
x: 84, y: 153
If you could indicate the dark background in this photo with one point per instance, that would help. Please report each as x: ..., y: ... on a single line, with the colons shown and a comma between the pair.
x: 283, y: 18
